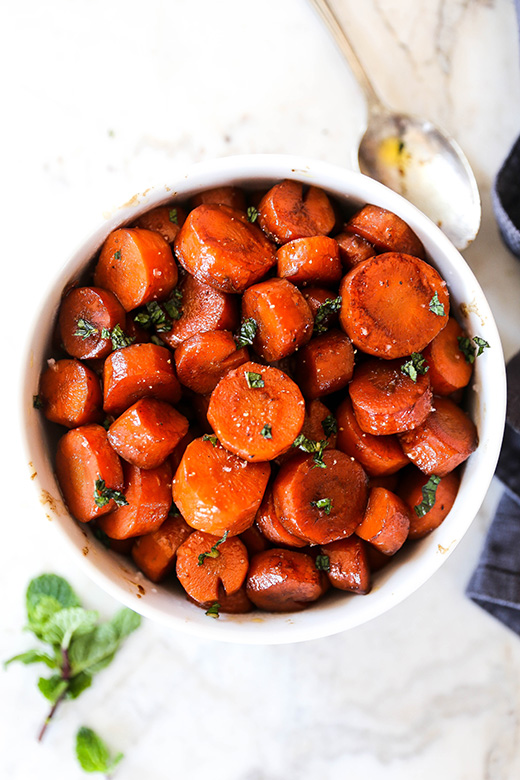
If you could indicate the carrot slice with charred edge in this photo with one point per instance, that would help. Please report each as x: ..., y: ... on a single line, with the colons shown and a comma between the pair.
x: 256, y: 411
x: 84, y: 456
x: 203, y: 309
x: 216, y: 491
x: 155, y: 553
x: 448, y: 369
x: 237, y: 603
x: 315, y: 428
x: 201, y: 575
x: 353, y: 249
x: 443, y: 441
x: 386, y: 521
x: 386, y: 231
x: 254, y: 540
x: 410, y: 490
x: 220, y: 247
x: 202, y: 360
x: 148, y: 493
x: 385, y: 400
x: 325, y: 365
x: 70, y: 394
x: 321, y: 504
x: 137, y: 266
x: 270, y: 526
x: 284, y: 580
x: 286, y: 213
x: 147, y: 432
x: 139, y: 371
x: 165, y: 220
x: 393, y: 304
x: 283, y: 318
x: 84, y: 313
x: 313, y: 260
x: 348, y: 565
x: 221, y: 196
x: 377, y: 454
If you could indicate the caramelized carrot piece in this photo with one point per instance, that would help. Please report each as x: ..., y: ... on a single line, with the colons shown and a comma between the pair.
x: 284, y: 580
x: 386, y: 231
x: 165, y: 220
x: 206, y: 562
x: 283, y: 318
x: 256, y: 411
x: 202, y: 360
x: 147, y: 432
x: 148, y: 493
x: 83, y: 457
x: 325, y: 365
x: 221, y: 196
x: 316, y: 297
x: 448, y: 369
x: 220, y: 247
x: 320, y: 504
x: 353, y: 249
x: 138, y: 371
x: 318, y: 425
x: 216, y: 491
x: 70, y: 394
x: 445, y: 439
x: 269, y: 524
x: 254, y: 540
x: 348, y: 565
x: 393, y: 304
x: 287, y: 213
x: 410, y: 489
x: 155, y: 553
x: 85, y: 313
x: 386, y: 521
x: 385, y: 400
x: 137, y: 266
x: 313, y: 260
x: 236, y: 603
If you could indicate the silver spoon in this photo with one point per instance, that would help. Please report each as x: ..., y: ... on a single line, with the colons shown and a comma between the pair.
x: 412, y: 156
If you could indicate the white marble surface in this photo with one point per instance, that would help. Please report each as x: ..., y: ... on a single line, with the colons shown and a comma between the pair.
x: 102, y: 99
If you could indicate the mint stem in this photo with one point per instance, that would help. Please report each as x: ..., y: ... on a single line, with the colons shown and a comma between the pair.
x: 65, y: 675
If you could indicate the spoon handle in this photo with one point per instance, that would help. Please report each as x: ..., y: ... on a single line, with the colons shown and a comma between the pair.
x: 346, y: 48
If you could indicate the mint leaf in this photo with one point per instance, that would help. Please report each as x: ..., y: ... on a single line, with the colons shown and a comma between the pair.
x: 481, y: 344
x: 329, y: 425
x: 414, y: 366
x: 93, y: 753
x: 436, y: 307
x: 104, y: 494
x: 310, y: 446
x: 33, y: 657
x: 322, y: 562
x: 213, y: 611
x: 214, y: 552
x: 211, y: 438
x: 90, y: 651
x: 429, y: 491
x: 173, y: 305
x: 52, y: 687
x: 45, y: 596
x: 63, y: 625
x: 124, y: 622
x: 78, y: 684
x: 246, y: 333
x: 85, y: 329
x: 324, y: 312
x: 254, y: 380
x: 267, y: 431
x: 173, y: 216
x: 323, y: 504
x: 252, y: 214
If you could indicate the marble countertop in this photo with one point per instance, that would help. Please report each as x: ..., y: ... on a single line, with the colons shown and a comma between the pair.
x: 103, y: 98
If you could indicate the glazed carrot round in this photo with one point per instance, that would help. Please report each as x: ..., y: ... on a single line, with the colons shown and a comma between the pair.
x: 138, y: 371
x: 448, y: 369
x: 411, y: 491
x: 283, y: 319
x: 83, y: 458
x: 270, y: 526
x: 221, y: 196
x: 137, y: 266
x: 348, y: 565
x: 445, y: 439
x: 325, y: 365
x: 215, y: 491
x: 386, y: 231
x: 220, y: 247
x: 70, y: 394
x: 353, y: 249
x: 149, y: 498
x: 147, y: 432
x: 319, y: 424
x: 313, y: 260
x: 393, y: 304
x: 286, y: 212
x: 155, y: 553
x: 284, y: 580
x: 386, y: 521
x: 85, y: 313
x: 320, y: 504
x: 316, y: 297
x: 256, y: 411
x: 379, y: 455
x: 206, y: 562
x: 165, y: 220
x: 236, y: 603
x: 386, y: 400
x: 202, y: 360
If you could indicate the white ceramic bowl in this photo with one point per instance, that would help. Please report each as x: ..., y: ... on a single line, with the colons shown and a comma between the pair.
x: 415, y: 564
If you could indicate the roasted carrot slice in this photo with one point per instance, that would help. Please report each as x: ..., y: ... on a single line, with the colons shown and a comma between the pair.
x: 256, y: 411
x: 137, y: 266
x: 86, y: 314
x: 88, y: 471
x: 70, y: 393
x: 386, y: 521
x: 448, y: 369
x: 313, y: 260
x: 221, y: 196
x: 321, y: 504
x: 379, y: 455
x: 287, y: 213
x: 216, y: 491
x: 325, y: 365
x: 149, y: 498
x: 348, y: 566
x: 283, y: 319
x: 423, y: 517
x: 155, y: 553
x: 316, y: 297
x: 202, y: 360
x: 445, y: 439
x: 205, y: 562
x: 386, y: 231
x: 353, y: 249
x: 147, y: 432
x: 393, y: 304
x: 236, y: 603
x: 319, y: 424
x: 284, y: 580
x: 386, y: 400
x: 165, y: 220
x: 270, y: 526
x: 139, y: 371
x: 220, y: 247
